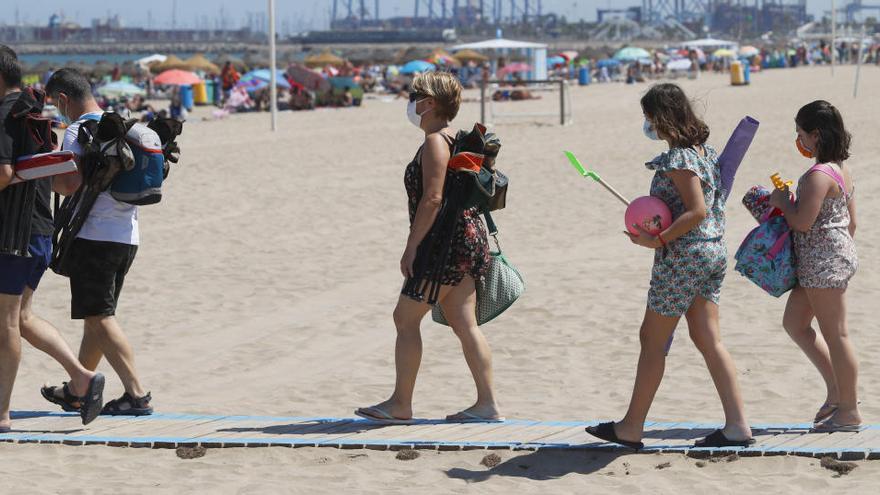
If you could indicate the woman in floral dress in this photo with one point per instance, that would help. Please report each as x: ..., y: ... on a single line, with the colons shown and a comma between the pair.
x: 433, y: 103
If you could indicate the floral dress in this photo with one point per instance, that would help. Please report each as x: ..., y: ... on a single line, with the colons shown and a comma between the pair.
x: 470, y: 245
x: 693, y: 264
x: 826, y: 254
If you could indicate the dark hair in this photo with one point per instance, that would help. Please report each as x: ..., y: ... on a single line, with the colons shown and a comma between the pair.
x: 5, y: 50
x: 10, y: 70
x: 834, y: 140
x: 71, y: 82
x: 669, y: 110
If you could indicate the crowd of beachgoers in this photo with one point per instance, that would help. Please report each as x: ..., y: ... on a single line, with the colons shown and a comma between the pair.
x: 322, y: 80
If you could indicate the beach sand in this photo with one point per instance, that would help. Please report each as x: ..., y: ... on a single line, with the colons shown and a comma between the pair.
x: 266, y: 279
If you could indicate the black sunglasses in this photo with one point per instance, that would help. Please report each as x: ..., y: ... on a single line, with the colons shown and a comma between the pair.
x: 417, y: 96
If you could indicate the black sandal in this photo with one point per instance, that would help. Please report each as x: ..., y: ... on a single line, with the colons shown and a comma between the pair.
x: 717, y: 439
x: 67, y: 401
x: 128, y: 406
x: 605, y: 431
x: 93, y: 400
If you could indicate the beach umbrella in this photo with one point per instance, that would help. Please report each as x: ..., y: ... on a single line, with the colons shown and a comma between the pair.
x: 556, y: 60
x: 235, y: 61
x: 324, y: 59
x: 119, y: 89
x: 514, y: 68
x: 607, y: 62
x: 176, y: 77
x: 724, y: 53
x: 171, y: 62
x: 468, y: 55
x: 414, y: 66
x: 199, y: 62
x: 568, y: 55
x: 440, y: 57
x: 308, y: 78
x: 155, y: 58
x: 265, y: 75
x: 749, y: 51
x: 680, y: 64
x: 631, y: 53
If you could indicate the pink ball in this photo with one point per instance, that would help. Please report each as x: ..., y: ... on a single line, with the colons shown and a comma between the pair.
x: 650, y: 213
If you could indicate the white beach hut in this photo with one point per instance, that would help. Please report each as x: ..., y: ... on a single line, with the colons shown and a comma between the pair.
x: 536, y: 53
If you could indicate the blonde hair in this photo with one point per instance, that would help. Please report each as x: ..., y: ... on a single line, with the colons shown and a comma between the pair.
x: 444, y: 88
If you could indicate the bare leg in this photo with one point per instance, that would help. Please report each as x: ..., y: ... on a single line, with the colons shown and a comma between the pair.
x: 114, y: 344
x: 459, y: 307
x: 407, y: 354
x: 10, y: 352
x: 655, y: 332
x: 798, y: 323
x: 90, y: 353
x: 43, y: 336
x: 829, y: 305
x: 702, y: 318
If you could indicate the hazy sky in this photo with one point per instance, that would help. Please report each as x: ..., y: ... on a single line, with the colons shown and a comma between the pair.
x: 297, y: 14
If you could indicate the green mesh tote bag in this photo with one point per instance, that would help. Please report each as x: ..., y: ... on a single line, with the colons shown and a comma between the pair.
x: 500, y: 288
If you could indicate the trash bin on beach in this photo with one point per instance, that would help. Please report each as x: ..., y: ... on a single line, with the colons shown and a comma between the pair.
x: 186, y: 97
x: 583, y: 76
x: 200, y: 94
x: 209, y: 91
x: 736, y: 73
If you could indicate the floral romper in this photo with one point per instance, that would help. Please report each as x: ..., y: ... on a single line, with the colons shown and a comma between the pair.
x: 694, y: 264
x: 826, y: 254
x: 470, y: 244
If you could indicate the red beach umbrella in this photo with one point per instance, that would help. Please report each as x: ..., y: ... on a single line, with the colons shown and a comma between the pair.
x: 177, y: 77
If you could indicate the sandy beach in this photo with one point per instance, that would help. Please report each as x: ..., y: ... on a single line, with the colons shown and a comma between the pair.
x: 266, y: 278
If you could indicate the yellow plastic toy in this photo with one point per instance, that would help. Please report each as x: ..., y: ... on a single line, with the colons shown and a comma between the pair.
x: 778, y: 183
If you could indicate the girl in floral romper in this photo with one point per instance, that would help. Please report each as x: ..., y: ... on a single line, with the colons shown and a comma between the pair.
x: 823, y: 224
x: 690, y: 259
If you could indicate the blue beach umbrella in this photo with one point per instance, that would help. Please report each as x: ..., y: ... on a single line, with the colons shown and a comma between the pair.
x: 607, y: 62
x: 417, y: 66
x: 265, y: 75
x: 631, y: 53
x: 556, y: 60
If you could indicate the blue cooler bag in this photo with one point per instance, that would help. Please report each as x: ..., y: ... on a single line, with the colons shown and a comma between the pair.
x: 766, y: 256
x: 142, y: 185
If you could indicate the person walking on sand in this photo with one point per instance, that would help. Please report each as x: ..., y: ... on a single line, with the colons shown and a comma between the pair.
x: 690, y: 258
x: 25, y: 251
x: 823, y: 221
x: 433, y: 103
x: 101, y: 256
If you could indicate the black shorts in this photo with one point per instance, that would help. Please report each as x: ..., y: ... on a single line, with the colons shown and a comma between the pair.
x: 97, y: 272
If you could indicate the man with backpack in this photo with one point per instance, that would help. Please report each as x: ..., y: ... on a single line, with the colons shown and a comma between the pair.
x: 26, y: 246
x: 99, y: 256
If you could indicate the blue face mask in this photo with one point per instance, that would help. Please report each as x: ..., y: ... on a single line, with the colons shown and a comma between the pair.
x: 649, y: 131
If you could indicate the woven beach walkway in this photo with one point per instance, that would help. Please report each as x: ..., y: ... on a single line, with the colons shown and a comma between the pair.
x: 175, y: 430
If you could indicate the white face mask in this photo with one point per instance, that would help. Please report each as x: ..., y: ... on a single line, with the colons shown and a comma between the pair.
x: 412, y: 114
x: 649, y: 131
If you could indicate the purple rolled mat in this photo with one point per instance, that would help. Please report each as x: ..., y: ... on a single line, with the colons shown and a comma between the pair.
x: 735, y: 151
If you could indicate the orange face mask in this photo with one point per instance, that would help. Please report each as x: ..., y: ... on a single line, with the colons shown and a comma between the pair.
x: 806, y: 153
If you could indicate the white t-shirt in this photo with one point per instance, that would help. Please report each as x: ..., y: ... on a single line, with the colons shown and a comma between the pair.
x: 109, y: 220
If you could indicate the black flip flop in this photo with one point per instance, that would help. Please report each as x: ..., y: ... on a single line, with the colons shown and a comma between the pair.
x: 93, y: 401
x: 65, y: 402
x: 717, y: 439
x: 605, y: 431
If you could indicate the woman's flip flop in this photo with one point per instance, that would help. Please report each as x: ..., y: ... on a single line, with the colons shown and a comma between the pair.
x: 605, y: 431
x: 466, y: 417
x: 825, y: 412
x: 829, y: 426
x: 717, y: 439
x: 379, y: 415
